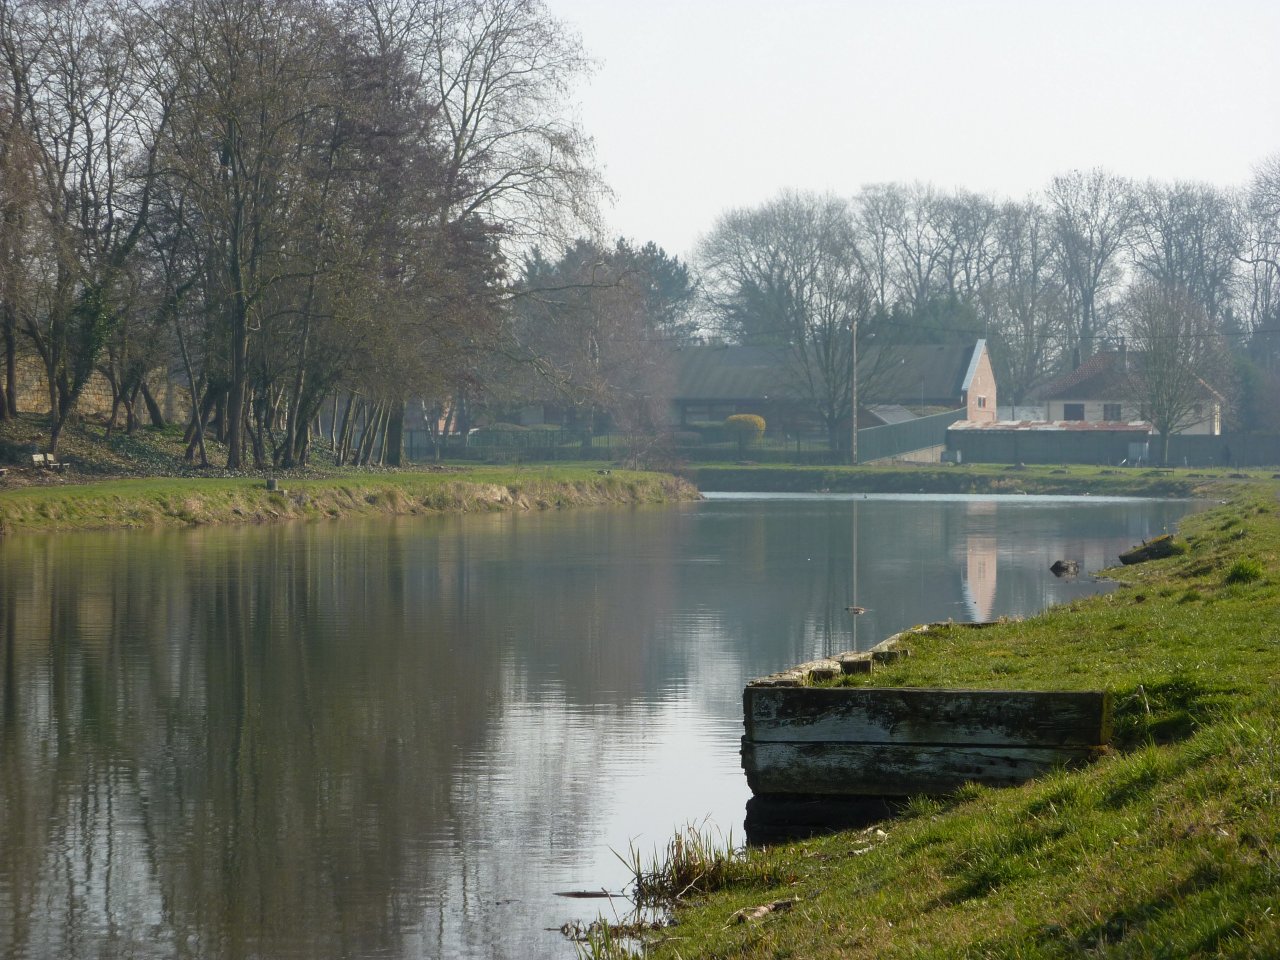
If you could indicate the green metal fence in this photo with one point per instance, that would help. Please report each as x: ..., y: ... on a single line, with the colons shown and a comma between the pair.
x: 896, y: 439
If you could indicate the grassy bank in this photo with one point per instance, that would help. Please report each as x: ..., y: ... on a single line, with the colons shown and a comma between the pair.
x: 1169, y: 847
x: 143, y: 480
x: 185, y: 501
x: 971, y: 478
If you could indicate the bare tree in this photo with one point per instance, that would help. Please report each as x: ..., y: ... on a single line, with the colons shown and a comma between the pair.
x: 876, y: 211
x: 257, y: 85
x: 918, y: 244
x: 1189, y: 235
x: 595, y: 330
x: 18, y: 185
x: 1092, y: 214
x: 79, y: 79
x: 968, y: 224
x: 788, y: 274
x: 1023, y: 305
x: 1180, y: 366
x: 1260, y: 257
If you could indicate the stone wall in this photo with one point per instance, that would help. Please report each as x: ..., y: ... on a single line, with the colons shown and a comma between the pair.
x: 95, y: 400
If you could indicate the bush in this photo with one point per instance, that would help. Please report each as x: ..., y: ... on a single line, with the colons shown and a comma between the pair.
x: 746, y: 428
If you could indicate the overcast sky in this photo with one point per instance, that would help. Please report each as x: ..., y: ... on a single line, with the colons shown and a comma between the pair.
x: 698, y: 106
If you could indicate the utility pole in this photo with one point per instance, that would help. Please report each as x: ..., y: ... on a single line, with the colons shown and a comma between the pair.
x: 853, y: 391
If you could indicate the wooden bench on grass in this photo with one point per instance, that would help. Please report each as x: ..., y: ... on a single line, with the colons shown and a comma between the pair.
x: 46, y: 461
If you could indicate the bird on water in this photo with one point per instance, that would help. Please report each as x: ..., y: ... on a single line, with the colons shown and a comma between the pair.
x: 856, y: 610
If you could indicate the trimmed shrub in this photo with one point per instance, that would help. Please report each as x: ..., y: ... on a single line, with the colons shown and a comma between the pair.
x: 746, y: 428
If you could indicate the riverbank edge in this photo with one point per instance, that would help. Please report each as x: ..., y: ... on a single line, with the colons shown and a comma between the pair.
x: 197, y: 501
x: 981, y: 479
x: 1167, y: 847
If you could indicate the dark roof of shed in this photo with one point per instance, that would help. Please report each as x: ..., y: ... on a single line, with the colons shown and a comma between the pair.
x: 889, y: 374
x: 897, y: 374
x: 717, y: 372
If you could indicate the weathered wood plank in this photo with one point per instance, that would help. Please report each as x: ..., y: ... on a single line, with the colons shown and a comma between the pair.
x: 926, y: 716
x: 893, y: 770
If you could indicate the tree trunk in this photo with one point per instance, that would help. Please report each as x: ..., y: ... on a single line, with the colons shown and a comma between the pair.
x: 237, y: 413
x: 199, y: 418
x: 220, y: 416
x: 153, y: 408
x: 9, y: 401
x: 393, y: 446
x: 343, y: 444
x: 369, y: 436
x: 115, y: 405
x: 131, y: 409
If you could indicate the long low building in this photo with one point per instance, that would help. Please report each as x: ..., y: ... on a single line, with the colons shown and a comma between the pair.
x: 1050, y: 441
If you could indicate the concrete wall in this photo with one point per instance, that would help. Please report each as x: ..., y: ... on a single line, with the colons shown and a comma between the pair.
x: 1040, y: 446
x: 1064, y: 446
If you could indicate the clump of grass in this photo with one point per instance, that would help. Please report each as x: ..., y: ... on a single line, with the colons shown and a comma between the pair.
x: 603, y: 939
x: 695, y: 862
x: 1244, y: 570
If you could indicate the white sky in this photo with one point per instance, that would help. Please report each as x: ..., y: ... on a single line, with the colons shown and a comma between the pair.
x: 699, y: 106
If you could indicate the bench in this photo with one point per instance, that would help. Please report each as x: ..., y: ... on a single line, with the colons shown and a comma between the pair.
x: 45, y: 461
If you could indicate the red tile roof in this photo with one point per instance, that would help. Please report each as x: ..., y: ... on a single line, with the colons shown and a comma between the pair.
x: 1073, y: 426
x: 1101, y: 377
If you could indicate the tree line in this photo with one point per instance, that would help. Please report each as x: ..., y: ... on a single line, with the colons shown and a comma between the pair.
x: 310, y: 212
x: 295, y: 201
x: 1093, y: 262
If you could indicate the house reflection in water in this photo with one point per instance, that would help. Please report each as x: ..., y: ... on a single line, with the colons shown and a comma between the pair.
x: 979, y: 576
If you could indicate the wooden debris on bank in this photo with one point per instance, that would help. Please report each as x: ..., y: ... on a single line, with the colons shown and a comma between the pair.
x: 747, y: 914
x: 1162, y: 546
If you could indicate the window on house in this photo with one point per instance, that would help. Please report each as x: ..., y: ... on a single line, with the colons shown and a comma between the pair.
x: 1111, y: 411
x: 982, y: 403
x: 1073, y: 411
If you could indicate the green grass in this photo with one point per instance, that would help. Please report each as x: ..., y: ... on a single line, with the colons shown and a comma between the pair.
x: 184, y: 501
x: 1168, y: 847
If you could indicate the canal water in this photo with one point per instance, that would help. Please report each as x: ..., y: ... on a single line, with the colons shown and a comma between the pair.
x: 402, y: 738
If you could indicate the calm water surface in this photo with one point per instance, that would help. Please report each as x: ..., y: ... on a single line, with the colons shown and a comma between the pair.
x: 401, y: 738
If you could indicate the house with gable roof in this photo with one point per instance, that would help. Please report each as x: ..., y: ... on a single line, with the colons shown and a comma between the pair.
x: 1101, y: 390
